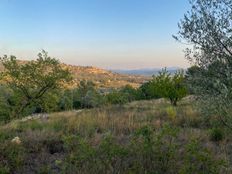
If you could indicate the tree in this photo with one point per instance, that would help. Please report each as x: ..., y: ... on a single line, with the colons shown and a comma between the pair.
x: 167, y: 86
x: 177, y: 89
x: 171, y: 87
x: 32, y: 80
x: 207, y: 27
x: 193, y: 79
x: 66, y: 100
x: 86, y: 95
x: 116, y: 97
x: 129, y: 92
x: 145, y: 91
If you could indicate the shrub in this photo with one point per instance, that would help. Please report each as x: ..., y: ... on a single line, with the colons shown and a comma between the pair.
x: 81, y: 155
x: 116, y: 97
x: 198, y: 159
x: 87, y: 96
x: 4, y: 169
x: 6, y: 103
x: 110, y: 156
x: 130, y: 93
x: 154, y: 152
x: 216, y: 134
x: 171, y: 112
x: 12, y: 157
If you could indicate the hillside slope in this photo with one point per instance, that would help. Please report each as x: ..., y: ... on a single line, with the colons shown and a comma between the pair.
x: 102, y: 78
x: 139, y: 137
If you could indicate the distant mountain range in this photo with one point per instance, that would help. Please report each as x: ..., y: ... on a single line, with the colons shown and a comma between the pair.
x: 145, y: 71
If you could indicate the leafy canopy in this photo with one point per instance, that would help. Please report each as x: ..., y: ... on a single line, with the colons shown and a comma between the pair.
x: 167, y: 86
x: 32, y: 80
x: 207, y: 28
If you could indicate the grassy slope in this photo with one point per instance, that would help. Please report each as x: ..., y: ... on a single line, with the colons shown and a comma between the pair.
x: 68, y: 141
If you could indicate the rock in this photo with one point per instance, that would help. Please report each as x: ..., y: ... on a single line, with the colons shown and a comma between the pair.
x: 78, y: 111
x: 16, y: 140
x: 35, y: 117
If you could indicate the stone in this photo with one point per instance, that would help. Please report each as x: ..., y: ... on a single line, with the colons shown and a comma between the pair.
x: 16, y: 140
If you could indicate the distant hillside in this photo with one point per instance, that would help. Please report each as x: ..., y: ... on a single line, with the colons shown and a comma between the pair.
x: 102, y: 78
x: 146, y: 71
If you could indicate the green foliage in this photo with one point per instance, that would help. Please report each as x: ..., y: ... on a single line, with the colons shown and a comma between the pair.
x: 4, y: 111
x: 12, y: 157
x: 177, y: 89
x: 81, y: 155
x: 157, y: 150
x: 172, y: 114
x: 147, y: 153
x: 158, y: 153
x: 207, y: 28
x: 192, y: 77
x: 47, y: 103
x: 200, y: 160
x: 166, y: 86
x: 86, y: 95
x: 45, y: 169
x: 124, y: 95
x: 216, y: 134
x: 4, y: 169
x: 66, y: 100
x: 116, y: 97
x: 31, y: 81
x: 6, y: 102
x: 30, y: 125
x: 130, y: 93
x: 145, y: 91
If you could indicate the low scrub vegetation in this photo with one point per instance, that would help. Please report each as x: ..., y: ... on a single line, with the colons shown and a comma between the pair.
x: 138, y: 137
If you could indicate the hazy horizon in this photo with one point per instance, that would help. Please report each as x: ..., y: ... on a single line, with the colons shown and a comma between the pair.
x: 109, y: 34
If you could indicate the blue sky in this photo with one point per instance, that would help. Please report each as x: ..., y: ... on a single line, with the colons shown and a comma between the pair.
x: 113, y: 34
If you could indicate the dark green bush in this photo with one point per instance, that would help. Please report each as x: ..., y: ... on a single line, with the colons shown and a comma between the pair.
x: 130, y: 93
x: 216, y: 134
x: 86, y: 96
x: 116, y: 97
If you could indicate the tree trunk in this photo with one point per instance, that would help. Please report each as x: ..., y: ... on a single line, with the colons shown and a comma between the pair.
x: 17, y: 113
x: 173, y: 102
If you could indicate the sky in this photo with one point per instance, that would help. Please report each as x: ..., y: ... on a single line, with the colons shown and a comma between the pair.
x: 111, y: 34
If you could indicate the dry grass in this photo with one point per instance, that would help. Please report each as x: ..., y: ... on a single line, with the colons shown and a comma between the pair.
x: 119, y: 121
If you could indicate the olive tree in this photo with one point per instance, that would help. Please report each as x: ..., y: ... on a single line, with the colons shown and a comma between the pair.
x: 207, y: 28
x: 32, y: 80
